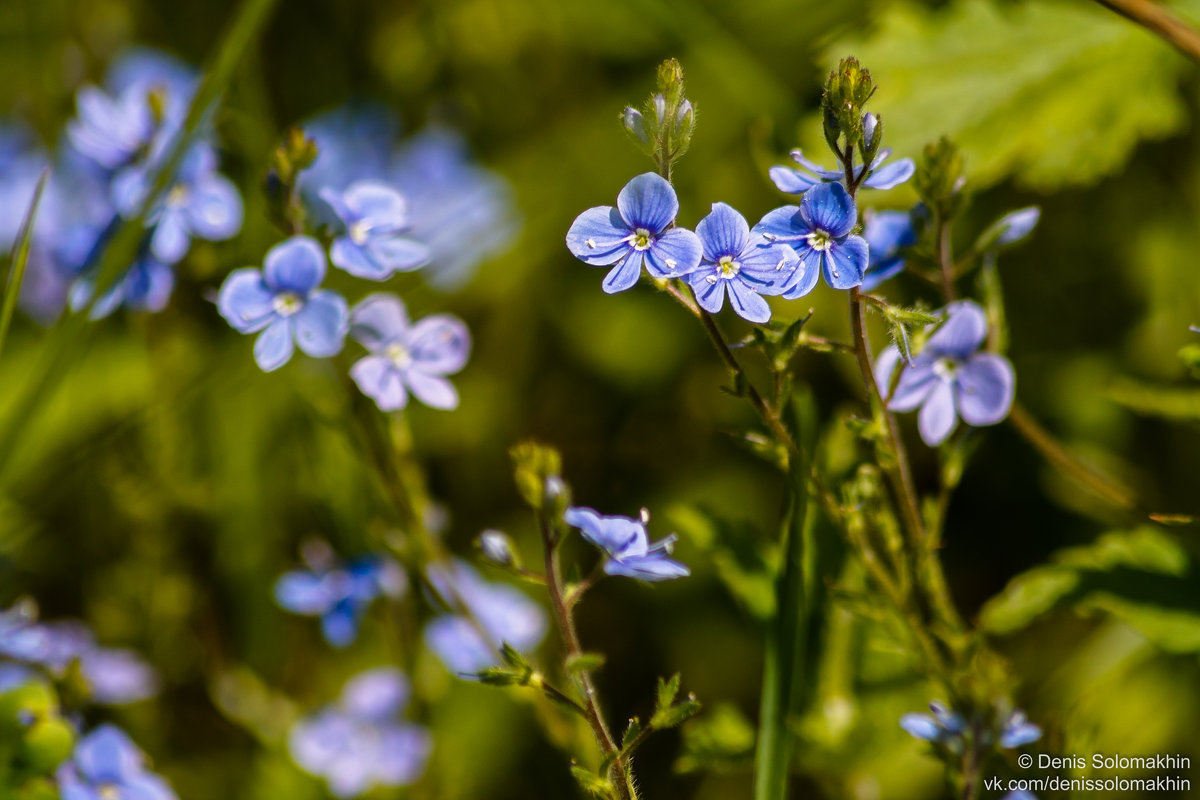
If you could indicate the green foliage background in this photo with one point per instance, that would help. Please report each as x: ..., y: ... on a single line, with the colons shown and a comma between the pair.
x: 168, y: 481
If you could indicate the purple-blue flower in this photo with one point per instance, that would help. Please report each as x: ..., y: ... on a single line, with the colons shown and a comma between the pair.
x: 819, y: 230
x: 145, y: 286
x: 943, y: 727
x: 340, y: 594
x: 107, y: 765
x: 635, y: 232
x: 407, y: 357
x: 626, y: 546
x: 374, y: 216
x: 361, y: 742
x: 950, y: 378
x: 1018, y: 731
x: 498, y: 614
x: 1016, y: 225
x: 887, y: 233
x: 200, y: 203
x: 799, y: 181
x: 282, y: 300
x: 112, y: 129
x: 739, y: 264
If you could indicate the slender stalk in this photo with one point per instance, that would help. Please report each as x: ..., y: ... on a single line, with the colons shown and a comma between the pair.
x: 1159, y: 21
x: 20, y: 257
x: 565, y: 620
x: 945, y: 258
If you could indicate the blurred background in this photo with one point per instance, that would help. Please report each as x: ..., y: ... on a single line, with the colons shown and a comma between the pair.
x: 168, y: 481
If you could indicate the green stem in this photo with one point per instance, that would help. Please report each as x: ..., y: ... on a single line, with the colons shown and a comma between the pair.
x: 20, y: 257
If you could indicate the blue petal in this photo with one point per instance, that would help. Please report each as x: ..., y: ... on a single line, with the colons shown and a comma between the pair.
x: 303, y: 593
x: 378, y: 320
x: 245, y: 301
x: 1018, y: 224
x: 625, y: 274
x: 215, y: 208
x: 322, y: 325
x: 888, y: 231
x: 675, y: 252
x: 723, y: 232
x: 433, y: 391
x: 830, y: 208
x: 651, y: 568
x: 128, y: 191
x: 921, y: 727
x: 377, y: 205
x: 961, y: 334
x: 398, y: 253
x: 792, y: 181
x: 1019, y: 732
x: 784, y: 223
x: 648, y: 201
x: 937, y: 417
x: 403, y: 752
x: 509, y: 615
x: 439, y: 344
x: 880, y: 271
x: 295, y: 265
x: 355, y: 260
x: 339, y: 625
x: 986, y: 386
x: 148, y: 286
x: 107, y: 755
x: 709, y: 289
x: 147, y: 786
x: 273, y: 347
x: 916, y: 383
x: 459, y: 645
x: 846, y: 261
x: 614, y: 535
x: 379, y: 379
x: 892, y: 175
x: 599, y: 236
x: 769, y: 269
x: 885, y: 367
x: 807, y: 273
x: 171, y: 237
x: 376, y: 693
x: 747, y: 303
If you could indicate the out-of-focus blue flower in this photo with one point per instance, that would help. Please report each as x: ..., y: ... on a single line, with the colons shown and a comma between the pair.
x: 798, y: 181
x: 107, y: 765
x: 374, y: 215
x: 1018, y: 731
x: 887, y: 234
x: 634, y: 232
x: 14, y: 675
x: 499, y: 614
x: 738, y: 264
x: 407, y: 357
x: 627, y: 547
x: 1019, y: 794
x: 943, y: 727
x: 361, y: 743
x: 819, y: 230
x: 145, y: 286
x: 465, y: 213
x: 154, y: 70
x: 21, y: 637
x: 282, y: 301
x: 340, y: 594
x: 1016, y: 225
x: 950, y: 377
x: 200, y: 203
x: 354, y: 143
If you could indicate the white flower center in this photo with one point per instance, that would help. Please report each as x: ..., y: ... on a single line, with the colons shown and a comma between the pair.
x: 727, y: 267
x: 109, y: 791
x: 359, y: 232
x: 641, y: 239
x: 820, y: 240
x: 177, y: 196
x: 287, y: 303
x: 398, y: 354
x: 945, y: 368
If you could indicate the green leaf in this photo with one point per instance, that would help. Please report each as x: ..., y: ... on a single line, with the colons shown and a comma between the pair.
x: 632, y: 732
x: 722, y: 741
x: 591, y: 783
x: 667, y: 689
x: 1179, y: 404
x: 584, y: 662
x: 20, y: 257
x: 1056, y: 94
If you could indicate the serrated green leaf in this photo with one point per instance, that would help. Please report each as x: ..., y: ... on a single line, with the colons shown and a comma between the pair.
x: 667, y: 689
x: 632, y: 732
x: 675, y: 715
x: 722, y: 740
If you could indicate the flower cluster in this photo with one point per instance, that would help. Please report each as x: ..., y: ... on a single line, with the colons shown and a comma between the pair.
x: 119, y: 139
x: 950, y: 729
x: 360, y: 742
x: 339, y: 594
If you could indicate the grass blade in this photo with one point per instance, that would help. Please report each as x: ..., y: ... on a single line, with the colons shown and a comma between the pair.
x: 20, y: 257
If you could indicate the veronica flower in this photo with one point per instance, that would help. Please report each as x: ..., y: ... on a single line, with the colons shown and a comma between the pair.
x: 498, y: 614
x: 374, y: 215
x: 354, y: 143
x: 145, y: 286
x: 107, y: 765
x: 112, y: 129
x: 943, y: 727
x: 340, y: 594
x: 798, y: 181
x: 282, y: 300
x: 887, y: 234
x: 361, y: 743
x: 819, y: 230
x: 738, y: 264
x: 635, y: 232
x: 1016, y: 225
x: 200, y: 203
x: 626, y: 546
x: 950, y: 378
x: 1018, y: 731
x: 407, y: 357
x: 113, y: 676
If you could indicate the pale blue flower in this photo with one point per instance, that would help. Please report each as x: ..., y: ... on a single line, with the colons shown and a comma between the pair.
x: 944, y: 727
x: 374, y: 215
x: 820, y: 231
x: 1018, y: 731
x: 637, y: 231
x: 107, y: 765
x: 627, y: 547
x: 798, y: 181
x: 888, y: 234
x: 340, y: 594
x: 407, y: 357
x: 282, y: 300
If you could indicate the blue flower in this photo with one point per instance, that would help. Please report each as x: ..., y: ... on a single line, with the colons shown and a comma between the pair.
x: 106, y: 764
x: 200, y: 203
x: 465, y: 214
x: 944, y: 727
x: 112, y: 130
x: 740, y: 265
x: 145, y: 286
x: 407, y: 357
x: 354, y: 143
x: 1016, y: 225
x: 819, y: 230
x: 360, y: 743
x: 499, y: 614
x: 636, y: 231
x: 340, y: 595
x: 374, y: 215
x: 1018, y: 731
x: 887, y: 233
x: 798, y: 181
x: 20, y: 635
x: 283, y: 299
x: 951, y: 378
x: 626, y: 546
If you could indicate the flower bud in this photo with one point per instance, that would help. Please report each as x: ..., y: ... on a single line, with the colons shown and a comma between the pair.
x: 684, y: 115
x: 497, y: 548
x: 870, y: 121
x: 660, y: 108
x: 635, y: 124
